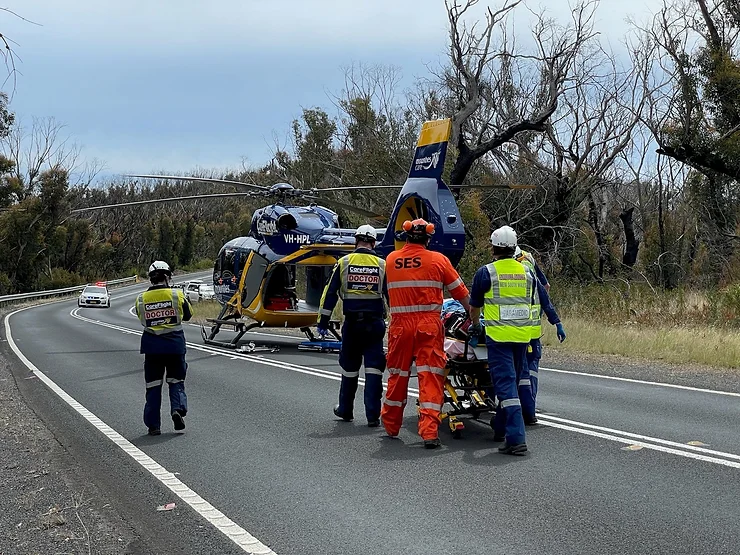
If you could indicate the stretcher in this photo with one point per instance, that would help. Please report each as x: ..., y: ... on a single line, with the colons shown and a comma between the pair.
x: 466, y: 387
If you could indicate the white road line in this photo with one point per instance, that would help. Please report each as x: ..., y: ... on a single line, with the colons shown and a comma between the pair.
x: 643, y: 437
x: 216, y: 518
x: 573, y: 372
x: 657, y: 444
x: 661, y: 384
x: 646, y: 444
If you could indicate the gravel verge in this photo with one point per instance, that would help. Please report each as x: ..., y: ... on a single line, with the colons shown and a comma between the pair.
x: 46, y: 503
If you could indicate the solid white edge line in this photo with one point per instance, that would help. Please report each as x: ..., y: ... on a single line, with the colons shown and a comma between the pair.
x: 213, y: 516
x: 578, y: 427
x: 632, y: 380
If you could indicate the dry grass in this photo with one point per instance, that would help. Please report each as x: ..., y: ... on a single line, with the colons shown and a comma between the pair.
x: 203, y: 310
x: 706, y: 345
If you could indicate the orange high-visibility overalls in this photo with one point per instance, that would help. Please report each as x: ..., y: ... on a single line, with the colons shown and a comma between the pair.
x: 416, y: 278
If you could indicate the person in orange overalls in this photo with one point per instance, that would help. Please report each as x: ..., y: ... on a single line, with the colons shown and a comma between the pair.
x: 416, y: 278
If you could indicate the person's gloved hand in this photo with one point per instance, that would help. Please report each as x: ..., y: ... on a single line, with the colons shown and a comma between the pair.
x: 323, y: 329
x: 561, y: 331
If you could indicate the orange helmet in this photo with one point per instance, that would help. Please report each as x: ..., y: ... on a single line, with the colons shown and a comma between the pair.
x: 418, y: 228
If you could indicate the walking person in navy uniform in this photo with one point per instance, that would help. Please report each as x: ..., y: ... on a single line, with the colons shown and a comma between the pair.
x: 161, y: 310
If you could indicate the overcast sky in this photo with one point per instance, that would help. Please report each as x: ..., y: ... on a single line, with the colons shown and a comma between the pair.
x: 147, y: 85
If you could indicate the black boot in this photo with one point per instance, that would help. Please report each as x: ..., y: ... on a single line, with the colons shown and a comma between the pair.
x: 343, y: 417
x: 178, y: 421
x: 432, y: 443
x: 518, y: 449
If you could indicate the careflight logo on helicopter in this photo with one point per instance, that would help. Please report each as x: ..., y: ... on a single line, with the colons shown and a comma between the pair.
x: 267, y: 227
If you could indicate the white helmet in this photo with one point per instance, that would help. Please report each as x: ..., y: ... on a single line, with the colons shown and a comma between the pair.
x: 160, y: 266
x: 504, y: 237
x: 366, y: 233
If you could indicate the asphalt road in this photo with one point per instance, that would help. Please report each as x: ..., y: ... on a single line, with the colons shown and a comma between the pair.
x: 263, y: 447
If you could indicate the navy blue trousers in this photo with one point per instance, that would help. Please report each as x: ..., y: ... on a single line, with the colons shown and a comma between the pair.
x: 534, y: 354
x: 506, y: 361
x: 156, y: 367
x: 362, y: 340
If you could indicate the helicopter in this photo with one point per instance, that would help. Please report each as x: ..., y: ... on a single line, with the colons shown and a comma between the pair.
x: 292, y: 249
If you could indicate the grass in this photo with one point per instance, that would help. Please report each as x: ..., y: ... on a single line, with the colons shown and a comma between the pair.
x: 203, y: 310
x: 676, y: 327
x: 677, y: 344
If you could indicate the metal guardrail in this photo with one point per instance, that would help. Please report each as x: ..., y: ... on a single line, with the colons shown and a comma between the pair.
x: 20, y: 297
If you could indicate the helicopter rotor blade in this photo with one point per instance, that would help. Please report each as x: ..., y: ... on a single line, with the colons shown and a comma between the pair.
x: 517, y: 186
x: 202, y: 180
x: 348, y: 207
x: 370, y: 187
x: 159, y: 200
x: 351, y: 188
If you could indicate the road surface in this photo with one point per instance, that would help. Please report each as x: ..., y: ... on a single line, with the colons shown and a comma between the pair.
x: 616, y: 466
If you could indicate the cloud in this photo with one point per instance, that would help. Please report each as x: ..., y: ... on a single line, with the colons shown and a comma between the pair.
x: 173, y: 84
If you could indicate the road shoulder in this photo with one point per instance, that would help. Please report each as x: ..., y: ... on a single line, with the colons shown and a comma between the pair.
x: 47, y: 503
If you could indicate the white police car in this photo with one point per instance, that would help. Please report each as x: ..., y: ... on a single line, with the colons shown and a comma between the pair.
x: 94, y: 295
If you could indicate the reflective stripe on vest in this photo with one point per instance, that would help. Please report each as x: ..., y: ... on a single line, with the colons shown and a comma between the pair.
x: 160, y: 310
x: 361, y: 276
x: 507, y: 311
x: 527, y: 260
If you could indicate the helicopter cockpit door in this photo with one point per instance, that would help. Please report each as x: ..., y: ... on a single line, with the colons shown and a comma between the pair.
x: 252, y: 275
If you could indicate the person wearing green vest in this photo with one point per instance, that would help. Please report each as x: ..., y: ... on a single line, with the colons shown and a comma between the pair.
x: 161, y: 310
x: 505, y: 290
x: 529, y: 380
x: 359, y: 279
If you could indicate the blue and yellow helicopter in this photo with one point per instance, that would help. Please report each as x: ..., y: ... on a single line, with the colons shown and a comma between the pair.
x: 256, y: 278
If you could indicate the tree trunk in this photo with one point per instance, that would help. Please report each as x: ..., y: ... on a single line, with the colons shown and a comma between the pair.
x: 596, y: 226
x: 463, y: 163
x: 632, y: 244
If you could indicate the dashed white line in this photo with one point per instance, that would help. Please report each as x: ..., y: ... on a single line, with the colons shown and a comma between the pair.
x: 656, y: 444
x: 216, y: 518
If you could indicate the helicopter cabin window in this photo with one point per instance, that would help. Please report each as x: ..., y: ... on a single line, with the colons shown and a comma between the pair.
x: 280, y: 291
x: 291, y: 287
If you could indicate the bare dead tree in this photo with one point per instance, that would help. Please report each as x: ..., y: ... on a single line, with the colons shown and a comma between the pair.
x: 579, y: 154
x: 498, y: 92
x: 33, y: 150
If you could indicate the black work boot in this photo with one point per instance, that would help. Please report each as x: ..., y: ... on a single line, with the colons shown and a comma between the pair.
x: 518, y: 449
x: 154, y: 431
x: 530, y: 420
x: 178, y: 421
x: 342, y: 416
x: 432, y: 443
x: 373, y: 423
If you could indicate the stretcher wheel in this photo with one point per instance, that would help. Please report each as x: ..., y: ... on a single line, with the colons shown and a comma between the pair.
x: 457, y: 434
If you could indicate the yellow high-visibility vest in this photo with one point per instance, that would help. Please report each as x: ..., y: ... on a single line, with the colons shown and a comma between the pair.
x: 528, y: 261
x: 160, y: 311
x: 507, y: 312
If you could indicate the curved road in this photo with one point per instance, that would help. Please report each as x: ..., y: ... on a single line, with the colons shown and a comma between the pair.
x: 617, y: 466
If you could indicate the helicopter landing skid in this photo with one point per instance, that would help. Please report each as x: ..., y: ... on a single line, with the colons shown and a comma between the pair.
x: 240, y: 327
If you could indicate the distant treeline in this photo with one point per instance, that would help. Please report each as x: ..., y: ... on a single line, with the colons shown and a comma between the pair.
x: 635, y: 156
